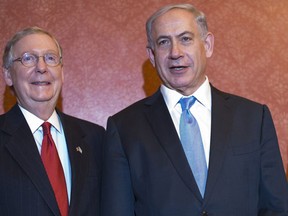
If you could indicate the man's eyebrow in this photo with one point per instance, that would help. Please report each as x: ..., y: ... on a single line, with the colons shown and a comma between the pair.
x: 187, y: 32
x: 162, y: 36
x: 178, y: 36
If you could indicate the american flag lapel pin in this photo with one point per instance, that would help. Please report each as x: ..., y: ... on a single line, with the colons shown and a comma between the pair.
x: 78, y: 148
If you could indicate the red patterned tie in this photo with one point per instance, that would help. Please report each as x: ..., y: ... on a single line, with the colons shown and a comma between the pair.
x: 54, y: 169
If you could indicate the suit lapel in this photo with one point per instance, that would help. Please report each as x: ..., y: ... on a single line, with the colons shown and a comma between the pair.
x: 78, y: 154
x: 220, y: 129
x: 21, y: 145
x: 161, y: 122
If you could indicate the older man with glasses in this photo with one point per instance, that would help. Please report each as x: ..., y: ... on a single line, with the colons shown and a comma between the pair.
x: 50, y: 163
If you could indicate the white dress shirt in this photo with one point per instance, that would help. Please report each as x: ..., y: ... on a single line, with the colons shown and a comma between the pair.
x: 58, y: 136
x: 201, y: 110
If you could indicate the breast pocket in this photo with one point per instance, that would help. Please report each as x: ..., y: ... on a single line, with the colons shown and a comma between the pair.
x: 251, y: 147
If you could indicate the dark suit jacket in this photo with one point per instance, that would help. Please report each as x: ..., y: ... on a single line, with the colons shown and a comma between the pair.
x: 146, y: 172
x: 24, y: 186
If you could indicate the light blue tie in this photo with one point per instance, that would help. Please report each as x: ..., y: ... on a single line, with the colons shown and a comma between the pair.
x: 192, y: 143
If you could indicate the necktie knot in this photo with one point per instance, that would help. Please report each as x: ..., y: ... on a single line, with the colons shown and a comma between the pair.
x: 46, y: 128
x: 187, y: 102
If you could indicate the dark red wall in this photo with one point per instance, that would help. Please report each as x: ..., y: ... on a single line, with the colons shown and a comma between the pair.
x: 105, y: 61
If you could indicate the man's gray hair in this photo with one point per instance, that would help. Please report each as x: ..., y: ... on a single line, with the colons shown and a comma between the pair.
x: 8, y: 51
x: 198, y: 15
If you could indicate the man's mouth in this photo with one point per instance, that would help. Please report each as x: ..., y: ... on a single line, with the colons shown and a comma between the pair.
x: 177, y: 68
x: 41, y: 83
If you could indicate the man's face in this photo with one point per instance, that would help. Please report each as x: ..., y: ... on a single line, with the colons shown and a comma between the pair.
x: 179, y: 53
x: 40, y: 84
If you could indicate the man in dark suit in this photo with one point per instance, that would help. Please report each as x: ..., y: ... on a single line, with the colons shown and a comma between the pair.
x: 146, y: 171
x: 32, y: 67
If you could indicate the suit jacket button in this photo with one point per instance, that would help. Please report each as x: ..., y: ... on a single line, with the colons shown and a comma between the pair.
x: 204, y: 213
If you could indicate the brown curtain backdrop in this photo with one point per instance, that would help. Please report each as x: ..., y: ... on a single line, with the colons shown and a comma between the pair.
x: 106, y: 66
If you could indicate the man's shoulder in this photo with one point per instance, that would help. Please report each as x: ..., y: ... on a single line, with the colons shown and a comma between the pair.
x: 13, y: 117
x: 72, y: 120
x: 232, y: 98
x: 140, y: 105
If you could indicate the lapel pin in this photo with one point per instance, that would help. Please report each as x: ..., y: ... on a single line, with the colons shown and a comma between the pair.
x: 79, y: 149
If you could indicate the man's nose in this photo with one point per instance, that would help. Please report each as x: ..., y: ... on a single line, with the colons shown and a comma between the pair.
x: 176, y: 51
x: 41, y: 65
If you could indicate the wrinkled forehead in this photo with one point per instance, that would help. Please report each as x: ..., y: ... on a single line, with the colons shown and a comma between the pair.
x: 174, y: 20
x: 37, y: 42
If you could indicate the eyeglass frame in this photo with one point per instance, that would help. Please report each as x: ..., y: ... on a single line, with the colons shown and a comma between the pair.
x: 20, y: 59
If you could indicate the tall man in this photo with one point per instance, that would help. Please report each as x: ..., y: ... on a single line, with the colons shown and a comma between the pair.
x: 190, y: 149
x: 43, y: 171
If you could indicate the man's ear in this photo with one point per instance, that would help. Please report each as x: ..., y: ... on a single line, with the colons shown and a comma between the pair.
x: 7, y: 76
x: 150, y: 53
x: 209, y: 44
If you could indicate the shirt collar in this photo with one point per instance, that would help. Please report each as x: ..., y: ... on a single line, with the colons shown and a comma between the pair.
x: 34, y: 122
x: 203, y: 95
